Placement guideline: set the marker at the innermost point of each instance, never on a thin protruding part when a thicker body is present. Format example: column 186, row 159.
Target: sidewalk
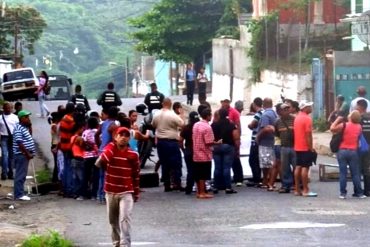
column 321, row 142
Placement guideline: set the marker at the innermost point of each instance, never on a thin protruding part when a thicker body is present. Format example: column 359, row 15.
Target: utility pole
column 126, row 77
column 16, row 32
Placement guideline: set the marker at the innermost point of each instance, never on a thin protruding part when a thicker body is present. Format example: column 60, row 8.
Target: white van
column 19, row 84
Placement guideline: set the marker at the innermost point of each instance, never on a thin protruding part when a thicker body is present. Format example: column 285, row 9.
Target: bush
column 321, row 124
column 52, row 239
column 43, row 176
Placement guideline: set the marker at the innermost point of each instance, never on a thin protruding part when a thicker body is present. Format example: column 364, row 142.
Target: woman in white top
column 43, row 81
column 202, row 85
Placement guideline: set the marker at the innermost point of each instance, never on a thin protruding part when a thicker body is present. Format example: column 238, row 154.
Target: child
column 91, row 172
column 121, row 184
column 78, row 163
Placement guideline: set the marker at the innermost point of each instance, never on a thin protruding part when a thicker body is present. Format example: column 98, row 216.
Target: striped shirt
column 256, row 117
column 66, row 131
column 122, row 170
column 22, row 135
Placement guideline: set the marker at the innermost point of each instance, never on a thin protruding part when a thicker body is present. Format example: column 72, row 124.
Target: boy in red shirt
column 121, row 184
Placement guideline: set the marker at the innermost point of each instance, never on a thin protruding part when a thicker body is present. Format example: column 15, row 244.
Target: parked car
column 60, row 87
column 19, row 84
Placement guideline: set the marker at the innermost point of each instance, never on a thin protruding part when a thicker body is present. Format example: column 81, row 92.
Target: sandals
column 310, row 194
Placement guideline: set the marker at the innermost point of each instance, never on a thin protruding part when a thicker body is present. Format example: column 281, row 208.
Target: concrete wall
column 273, row 84
column 221, row 49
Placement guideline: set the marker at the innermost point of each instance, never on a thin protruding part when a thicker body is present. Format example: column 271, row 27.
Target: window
column 359, row 6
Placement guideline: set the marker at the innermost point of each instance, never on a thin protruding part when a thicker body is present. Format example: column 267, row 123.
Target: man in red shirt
column 121, row 184
column 304, row 148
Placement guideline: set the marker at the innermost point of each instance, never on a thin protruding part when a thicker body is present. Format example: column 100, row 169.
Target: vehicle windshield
column 18, row 75
column 59, row 90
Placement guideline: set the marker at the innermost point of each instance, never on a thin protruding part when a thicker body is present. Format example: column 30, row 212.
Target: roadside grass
column 50, row 239
column 43, row 176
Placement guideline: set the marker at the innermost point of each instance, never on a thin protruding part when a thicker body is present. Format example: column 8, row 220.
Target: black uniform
column 154, row 100
column 80, row 99
column 108, row 99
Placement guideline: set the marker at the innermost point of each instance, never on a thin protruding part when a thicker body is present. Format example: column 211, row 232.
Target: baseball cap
column 23, row 113
column 123, row 130
column 305, row 103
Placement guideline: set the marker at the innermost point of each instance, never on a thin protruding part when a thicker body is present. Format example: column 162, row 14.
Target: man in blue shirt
column 265, row 140
column 24, row 150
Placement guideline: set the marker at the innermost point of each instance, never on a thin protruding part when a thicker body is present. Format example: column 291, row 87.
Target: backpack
column 46, row 88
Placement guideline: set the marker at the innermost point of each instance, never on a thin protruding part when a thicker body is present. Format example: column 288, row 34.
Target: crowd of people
column 96, row 155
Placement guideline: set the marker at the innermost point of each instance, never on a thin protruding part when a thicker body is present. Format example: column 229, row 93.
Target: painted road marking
column 132, row 243
column 289, row 225
column 321, row 211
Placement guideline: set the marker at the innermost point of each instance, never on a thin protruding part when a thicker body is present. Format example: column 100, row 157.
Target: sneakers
column 230, row 191
column 239, row 184
column 359, row 196
column 80, row 198
column 342, row 197
column 24, row 198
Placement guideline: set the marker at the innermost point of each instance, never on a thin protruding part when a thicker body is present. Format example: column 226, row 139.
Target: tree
column 20, row 24
column 229, row 24
column 178, row 30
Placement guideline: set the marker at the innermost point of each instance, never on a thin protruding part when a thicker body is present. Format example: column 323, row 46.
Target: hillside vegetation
column 83, row 36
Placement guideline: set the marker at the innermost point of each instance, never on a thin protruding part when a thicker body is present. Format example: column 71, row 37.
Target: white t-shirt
column 11, row 120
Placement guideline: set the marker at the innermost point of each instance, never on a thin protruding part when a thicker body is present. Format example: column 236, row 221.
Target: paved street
column 253, row 217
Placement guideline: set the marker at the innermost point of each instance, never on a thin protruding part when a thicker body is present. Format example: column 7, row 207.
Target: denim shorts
column 277, row 151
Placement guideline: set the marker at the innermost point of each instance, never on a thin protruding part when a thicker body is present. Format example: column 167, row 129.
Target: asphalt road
column 253, row 217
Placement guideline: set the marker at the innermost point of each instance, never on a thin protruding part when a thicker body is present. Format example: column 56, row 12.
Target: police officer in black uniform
column 154, row 99
column 80, row 99
column 109, row 98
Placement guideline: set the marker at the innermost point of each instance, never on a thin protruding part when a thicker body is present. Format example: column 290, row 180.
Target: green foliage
column 96, row 29
column 321, row 124
column 43, row 176
column 24, row 22
column 52, row 239
column 229, row 24
column 256, row 51
column 178, row 30
column 306, row 56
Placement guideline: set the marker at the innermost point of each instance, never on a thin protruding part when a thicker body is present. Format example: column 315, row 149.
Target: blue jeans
column 43, row 108
column 288, row 161
column 349, row 157
column 21, row 169
column 254, row 162
column 67, row 179
column 101, row 193
column 78, row 176
column 188, row 155
column 6, row 157
column 170, row 156
column 223, row 155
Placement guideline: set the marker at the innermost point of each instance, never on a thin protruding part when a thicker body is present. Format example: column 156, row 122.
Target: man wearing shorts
column 304, row 148
column 265, row 139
